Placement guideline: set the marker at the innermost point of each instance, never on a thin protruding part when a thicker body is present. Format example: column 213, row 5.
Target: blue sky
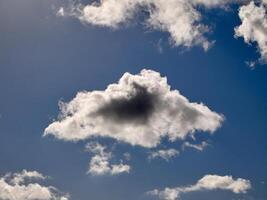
column 45, row 58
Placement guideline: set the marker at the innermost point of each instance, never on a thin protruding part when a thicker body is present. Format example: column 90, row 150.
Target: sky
column 134, row 100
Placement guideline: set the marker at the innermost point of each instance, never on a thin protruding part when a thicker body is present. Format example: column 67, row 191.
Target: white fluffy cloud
column 208, row 182
column 254, row 26
column 24, row 186
column 164, row 154
column 180, row 18
column 140, row 110
column 110, row 13
column 100, row 162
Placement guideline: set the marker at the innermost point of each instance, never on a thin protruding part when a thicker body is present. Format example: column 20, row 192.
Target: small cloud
column 251, row 64
column 164, row 154
column 61, row 12
column 207, row 183
column 127, row 156
column 199, row 147
column 253, row 28
column 100, row 162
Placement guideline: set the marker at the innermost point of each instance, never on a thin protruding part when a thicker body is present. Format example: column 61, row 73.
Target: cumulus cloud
column 21, row 177
column 199, row 147
column 254, row 26
column 164, row 154
column 25, row 186
column 140, row 110
column 208, row 182
column 180, row 18
column 100, row 162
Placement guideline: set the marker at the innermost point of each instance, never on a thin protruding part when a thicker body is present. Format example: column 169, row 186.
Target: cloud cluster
column 180, row 18
column 208, row 182
column 164, row 154
column 25, row 186
column 100, row 162
column 254, row 26
column 140, row 110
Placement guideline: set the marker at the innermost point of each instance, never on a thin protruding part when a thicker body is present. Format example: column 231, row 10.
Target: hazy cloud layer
column 25, row 186
column 140, row 110
column 208, row 182
column 254, row 26
column 100, row 162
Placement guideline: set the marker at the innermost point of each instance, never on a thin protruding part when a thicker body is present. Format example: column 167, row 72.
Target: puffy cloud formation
column 199, row 147
column 100, row 162
column 208, row 182
column 164, row 154
column 180, row 18
column 254, row 26
column 110, row 13
column 23, row 186
column 18, row 178
column 140, row 110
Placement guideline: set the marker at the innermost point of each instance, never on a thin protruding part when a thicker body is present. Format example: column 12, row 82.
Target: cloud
column 110, row 13
column 100, row 162
column 127, row 156
column 140, row 110
column 199, row 147
column 208, row 182
column 180, row 18
column 164, row 154
column 254, row 27
column 21, row 177
column 24, row 186
column 217, row 3
column 61, row 12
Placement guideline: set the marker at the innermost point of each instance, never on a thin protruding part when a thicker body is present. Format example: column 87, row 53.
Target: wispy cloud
column 165, row 154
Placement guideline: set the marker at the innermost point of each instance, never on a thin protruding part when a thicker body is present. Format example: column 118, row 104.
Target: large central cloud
column 140, row 110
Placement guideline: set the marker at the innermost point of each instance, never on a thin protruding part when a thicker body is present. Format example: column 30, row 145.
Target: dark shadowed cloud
column 140, row 109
